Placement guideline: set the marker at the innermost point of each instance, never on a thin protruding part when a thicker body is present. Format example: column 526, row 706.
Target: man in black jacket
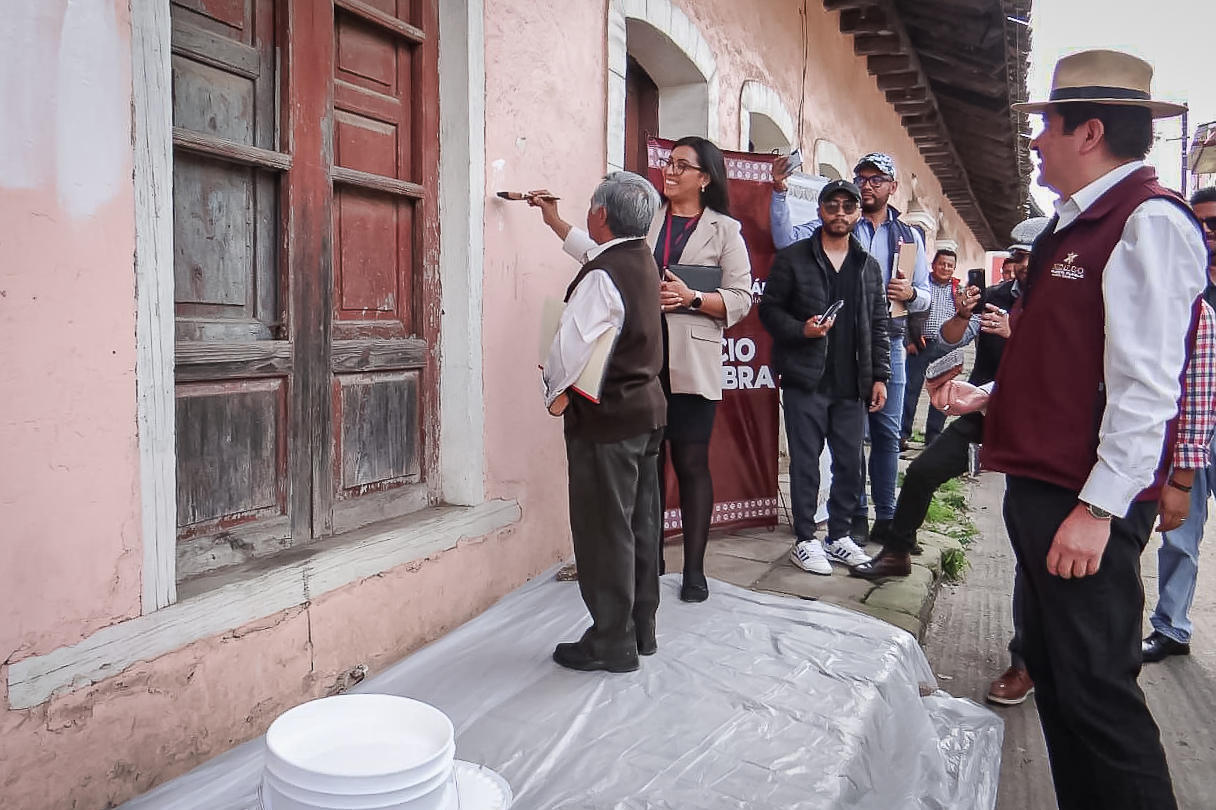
column 832, row 369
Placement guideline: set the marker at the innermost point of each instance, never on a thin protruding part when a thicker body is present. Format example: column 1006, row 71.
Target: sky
column 1177, row 36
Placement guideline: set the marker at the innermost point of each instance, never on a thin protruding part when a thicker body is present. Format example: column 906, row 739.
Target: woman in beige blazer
column 694, row 227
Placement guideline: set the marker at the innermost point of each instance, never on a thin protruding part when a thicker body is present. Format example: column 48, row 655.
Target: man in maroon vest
column 1078, row 422
column 612, row 441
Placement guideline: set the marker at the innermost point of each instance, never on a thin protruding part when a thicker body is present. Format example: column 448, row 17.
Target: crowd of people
column 1093, row 390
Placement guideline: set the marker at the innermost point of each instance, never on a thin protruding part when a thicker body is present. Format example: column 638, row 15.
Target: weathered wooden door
column 305, row 238
column 384, row 175
column 641, row 115
column 233, row 354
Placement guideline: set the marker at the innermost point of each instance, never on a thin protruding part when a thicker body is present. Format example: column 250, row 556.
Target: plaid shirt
column 942, row 306
column 1198, row 409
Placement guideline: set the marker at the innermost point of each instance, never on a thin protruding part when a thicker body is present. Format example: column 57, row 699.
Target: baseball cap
column 879, row 160
column 837, row 186
column 1026, row 231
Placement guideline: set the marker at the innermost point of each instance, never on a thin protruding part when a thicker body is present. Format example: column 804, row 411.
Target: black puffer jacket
column 797, row 290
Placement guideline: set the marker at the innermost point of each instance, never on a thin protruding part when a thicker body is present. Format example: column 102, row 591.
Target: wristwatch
column 1097, row 512
column 696, row 302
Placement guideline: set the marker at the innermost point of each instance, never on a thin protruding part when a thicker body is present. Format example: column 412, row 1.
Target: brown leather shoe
column 886, row 564
column 1013, row 687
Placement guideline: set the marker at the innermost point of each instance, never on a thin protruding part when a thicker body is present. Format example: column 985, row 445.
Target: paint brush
column 515, row 195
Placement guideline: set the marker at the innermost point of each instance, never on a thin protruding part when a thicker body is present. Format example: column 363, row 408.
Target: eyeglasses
column 1019, row 255
column 678, row 167
column 872, row 180
column 1209, row 223
column 836, row 206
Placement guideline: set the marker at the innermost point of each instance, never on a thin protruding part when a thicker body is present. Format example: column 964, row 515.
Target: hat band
column 1097, row 91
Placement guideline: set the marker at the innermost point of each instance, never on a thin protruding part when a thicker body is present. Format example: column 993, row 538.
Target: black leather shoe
column 1158, row 647
column 886, row 564
column 694, row 589
column 859, row 530
column 575, row 656
column 647, row 643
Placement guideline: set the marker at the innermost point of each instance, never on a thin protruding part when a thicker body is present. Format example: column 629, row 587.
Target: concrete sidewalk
column 759, row 559
column 966, row 644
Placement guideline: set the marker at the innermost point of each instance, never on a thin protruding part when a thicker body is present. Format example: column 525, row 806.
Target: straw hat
column 1104, row 77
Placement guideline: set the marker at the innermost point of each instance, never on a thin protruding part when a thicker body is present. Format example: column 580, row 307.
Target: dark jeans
column 946, row 458
column 810, row 420
column 1081, row 641
column 616, row 526
column 917, row 363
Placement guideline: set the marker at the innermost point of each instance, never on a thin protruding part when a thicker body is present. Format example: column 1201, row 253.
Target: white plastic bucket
column 359, row 745
column 280, row 797
column 423, row 796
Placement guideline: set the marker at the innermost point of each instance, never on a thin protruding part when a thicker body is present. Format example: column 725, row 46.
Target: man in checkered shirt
column 924, row 345
column 1183, row 511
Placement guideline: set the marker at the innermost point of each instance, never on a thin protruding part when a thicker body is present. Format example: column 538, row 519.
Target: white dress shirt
column 1148, row 288
column 595, row 306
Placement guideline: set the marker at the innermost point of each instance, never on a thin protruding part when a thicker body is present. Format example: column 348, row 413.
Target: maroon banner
column 744, row 448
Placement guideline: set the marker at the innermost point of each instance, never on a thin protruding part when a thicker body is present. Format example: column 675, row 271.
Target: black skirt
column 690, row 418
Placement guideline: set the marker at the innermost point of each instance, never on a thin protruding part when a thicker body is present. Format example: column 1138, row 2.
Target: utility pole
column 1186, row 142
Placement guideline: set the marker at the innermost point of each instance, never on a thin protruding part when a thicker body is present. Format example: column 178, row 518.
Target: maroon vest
column 1045, row 414
column 631, row 401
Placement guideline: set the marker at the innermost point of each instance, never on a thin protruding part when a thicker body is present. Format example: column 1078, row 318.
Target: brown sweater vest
column 1046, row 411
column 631, row 402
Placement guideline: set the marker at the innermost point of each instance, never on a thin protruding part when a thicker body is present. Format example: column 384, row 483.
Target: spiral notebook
column 591, row 382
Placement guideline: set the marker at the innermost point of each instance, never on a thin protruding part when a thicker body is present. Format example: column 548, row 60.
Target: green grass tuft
column 954, row 565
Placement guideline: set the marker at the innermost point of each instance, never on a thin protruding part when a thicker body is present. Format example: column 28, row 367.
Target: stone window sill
column 210, row 605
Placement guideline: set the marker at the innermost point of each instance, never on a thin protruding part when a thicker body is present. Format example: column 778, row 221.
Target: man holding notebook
column 612, row 440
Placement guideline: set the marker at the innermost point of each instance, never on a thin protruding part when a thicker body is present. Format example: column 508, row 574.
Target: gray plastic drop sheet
column 753, row 701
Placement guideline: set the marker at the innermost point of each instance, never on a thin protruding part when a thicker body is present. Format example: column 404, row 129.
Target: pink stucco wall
column 69, row 497
column 69, row 484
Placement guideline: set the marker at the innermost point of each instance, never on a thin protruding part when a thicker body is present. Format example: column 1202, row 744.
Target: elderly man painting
column 612, row 446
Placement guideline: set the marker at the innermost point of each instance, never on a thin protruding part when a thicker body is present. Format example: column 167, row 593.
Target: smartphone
column 975, row 278
column 794, row 162
column 832, row 310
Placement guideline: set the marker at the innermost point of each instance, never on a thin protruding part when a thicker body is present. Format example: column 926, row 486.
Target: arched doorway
column 662, row 80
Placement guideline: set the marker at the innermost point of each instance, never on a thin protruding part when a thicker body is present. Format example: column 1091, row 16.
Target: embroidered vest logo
column 1068, row 268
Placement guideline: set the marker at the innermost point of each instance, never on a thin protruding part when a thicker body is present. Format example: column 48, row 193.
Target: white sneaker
column 845, row 551
column 808, row 555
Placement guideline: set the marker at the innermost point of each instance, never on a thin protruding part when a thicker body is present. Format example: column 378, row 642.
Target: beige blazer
column 695, row 348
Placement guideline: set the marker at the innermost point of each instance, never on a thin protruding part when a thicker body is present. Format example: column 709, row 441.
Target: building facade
column 269, row 411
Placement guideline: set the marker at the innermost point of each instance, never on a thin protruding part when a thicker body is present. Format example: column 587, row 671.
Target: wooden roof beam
column 878, row 44
column 908, row 94
column 900, row 81
column 845, row 5
column 888, row 64
column 865, row 21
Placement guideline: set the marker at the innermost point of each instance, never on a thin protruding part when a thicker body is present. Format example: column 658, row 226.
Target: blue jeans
column 884, row 439
column 1178, row 562
column 916, row 365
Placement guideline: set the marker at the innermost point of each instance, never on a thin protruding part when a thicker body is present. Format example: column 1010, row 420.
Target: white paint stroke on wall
column 27, row 87
column 93, row 111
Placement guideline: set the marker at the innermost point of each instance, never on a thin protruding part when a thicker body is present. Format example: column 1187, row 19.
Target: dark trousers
column 917, row 363
column 1081, row 641
column 940, row 461
column 616, row 525
column 810, row 420
column 944, row 459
